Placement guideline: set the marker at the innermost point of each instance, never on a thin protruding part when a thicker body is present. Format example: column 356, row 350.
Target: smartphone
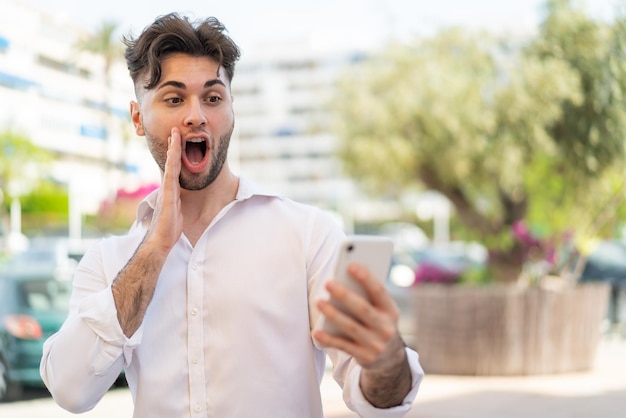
column 371, row 251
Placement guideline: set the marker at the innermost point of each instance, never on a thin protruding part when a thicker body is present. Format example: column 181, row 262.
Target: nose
column 195, row 113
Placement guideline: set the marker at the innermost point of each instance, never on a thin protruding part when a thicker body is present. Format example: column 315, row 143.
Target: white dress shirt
column 228, row 331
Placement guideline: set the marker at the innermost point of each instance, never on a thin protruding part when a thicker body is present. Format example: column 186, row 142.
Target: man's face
column 194, row 97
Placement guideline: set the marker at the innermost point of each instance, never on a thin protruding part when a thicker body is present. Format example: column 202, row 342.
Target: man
column 210, row 301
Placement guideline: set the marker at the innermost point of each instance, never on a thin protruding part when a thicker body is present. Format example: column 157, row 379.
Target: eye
column 173, row 100
column 214, row 99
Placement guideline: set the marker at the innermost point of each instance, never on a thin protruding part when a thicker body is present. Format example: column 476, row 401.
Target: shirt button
column 198, row 408
column 193, row 267
column 195, row 360
column 194, row 311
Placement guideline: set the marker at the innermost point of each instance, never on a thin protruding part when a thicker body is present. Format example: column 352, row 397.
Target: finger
column 366, row 310
column 365, row 323
column 367, row 330
column 327, row 339
column 374, row 287
column 340, row 319
column 357, row 306
column 173, row 162
column 355, row 303
column 380, row 316
column 364, row 354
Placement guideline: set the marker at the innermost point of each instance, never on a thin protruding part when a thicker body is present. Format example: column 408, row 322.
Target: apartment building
column 284, row 124
column 56, row 95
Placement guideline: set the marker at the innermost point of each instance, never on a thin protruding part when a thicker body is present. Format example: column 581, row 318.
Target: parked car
column 607, row 262
column 437, row 263
column 34, row 302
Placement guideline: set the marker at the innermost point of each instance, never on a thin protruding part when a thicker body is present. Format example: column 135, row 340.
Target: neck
column 201, row 206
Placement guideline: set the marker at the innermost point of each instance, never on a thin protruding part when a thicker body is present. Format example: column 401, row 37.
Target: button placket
column 195, row 337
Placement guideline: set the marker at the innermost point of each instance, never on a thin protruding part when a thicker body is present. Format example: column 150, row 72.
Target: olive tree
column 509, row 130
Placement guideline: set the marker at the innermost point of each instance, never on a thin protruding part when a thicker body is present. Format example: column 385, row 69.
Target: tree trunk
column 506, row 266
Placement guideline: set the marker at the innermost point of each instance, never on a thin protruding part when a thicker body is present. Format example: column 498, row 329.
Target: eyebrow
column 181, row 85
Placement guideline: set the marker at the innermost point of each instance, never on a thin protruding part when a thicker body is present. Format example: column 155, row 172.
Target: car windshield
column 45, row 295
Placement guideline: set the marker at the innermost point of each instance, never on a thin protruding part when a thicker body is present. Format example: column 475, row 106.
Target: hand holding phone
column 371, row 251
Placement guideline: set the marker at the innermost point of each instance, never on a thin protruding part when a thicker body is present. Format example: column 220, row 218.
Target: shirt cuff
column 352, row 391
column 100, row 314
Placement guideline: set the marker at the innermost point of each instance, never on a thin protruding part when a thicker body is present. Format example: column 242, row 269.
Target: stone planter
column 507, row 329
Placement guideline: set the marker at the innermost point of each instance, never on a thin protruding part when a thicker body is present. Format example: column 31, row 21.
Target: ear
column 135, row 117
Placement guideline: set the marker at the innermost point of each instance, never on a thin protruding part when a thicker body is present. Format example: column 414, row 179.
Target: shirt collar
column 247, row 189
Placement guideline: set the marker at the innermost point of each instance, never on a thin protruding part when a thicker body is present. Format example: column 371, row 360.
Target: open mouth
column 195, row 150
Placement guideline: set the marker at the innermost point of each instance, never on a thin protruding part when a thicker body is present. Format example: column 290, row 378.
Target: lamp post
column 432, row 205
column 16, row 241
column 75, row 213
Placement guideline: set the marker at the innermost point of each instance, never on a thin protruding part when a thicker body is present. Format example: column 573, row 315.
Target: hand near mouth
column 167, row 222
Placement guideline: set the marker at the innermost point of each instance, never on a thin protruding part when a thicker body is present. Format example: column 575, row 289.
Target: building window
column 93, row 131
column 15, row 82
column 4, row 44
column 61, row 66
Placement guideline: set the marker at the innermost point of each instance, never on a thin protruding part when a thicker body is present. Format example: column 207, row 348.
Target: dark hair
column 172, row 33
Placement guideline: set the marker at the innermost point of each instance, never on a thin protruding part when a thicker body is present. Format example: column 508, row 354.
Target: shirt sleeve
column 83, row 359
column 353, row 396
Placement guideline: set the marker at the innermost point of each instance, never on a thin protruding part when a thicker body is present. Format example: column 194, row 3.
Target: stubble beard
column 219, row 154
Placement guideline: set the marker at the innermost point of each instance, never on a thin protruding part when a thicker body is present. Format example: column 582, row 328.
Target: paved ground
column 599, row 393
